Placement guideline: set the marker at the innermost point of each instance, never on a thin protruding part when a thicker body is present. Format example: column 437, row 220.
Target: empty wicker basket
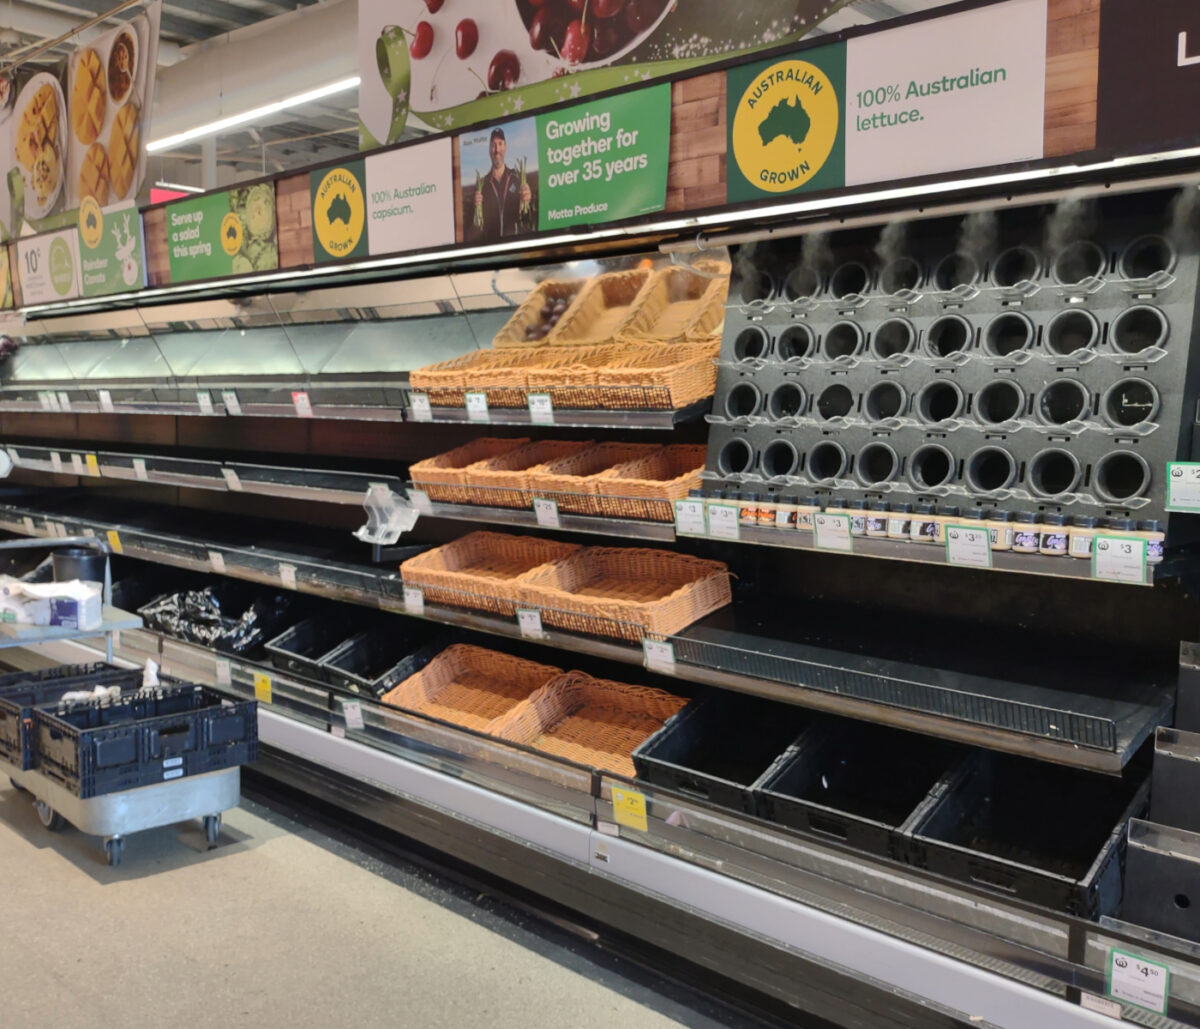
column 569, row 481
column 570, row 374
column 470, row 686
column 660, row 377
column 626, row 592
column 503, row 481
column 444, row 477
column 676, row 305
column 601, row 309
column 489, row 371
column 648, row 488
column 480, row 570
column 530, row 313
column 594, row 722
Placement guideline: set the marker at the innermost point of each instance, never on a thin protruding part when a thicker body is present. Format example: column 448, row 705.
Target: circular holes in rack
column 904, row 273
column 930, row 466
column 842, row 339
column 953, row 270
column 850, row 279
column 876, row 463
column 779, row 459
column 1129, row 402
column 1016, row 264
column 736, row 457
column 1064, row 400
column 999, row 401
column 802, row 284
column 1053, row 472
column 990, row 469
column 787, row 400
column 1121, row 476
column 743, row 400
column 751, row 344
column 948, row 335
column 892, row 337
column 1007, row 334
column 1077, row 261
column 939, row 401
column 1146, row 256
column 1071, row 331
column 826, row 460
column 757, row 286
column 1139, row 328
column 835, row 401
column 795, row 341
column 884, row 400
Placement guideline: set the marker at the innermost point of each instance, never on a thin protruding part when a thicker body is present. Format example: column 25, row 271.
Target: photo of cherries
column 587, row 30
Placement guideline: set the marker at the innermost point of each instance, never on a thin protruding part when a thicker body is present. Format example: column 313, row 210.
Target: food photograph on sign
column 500, row 181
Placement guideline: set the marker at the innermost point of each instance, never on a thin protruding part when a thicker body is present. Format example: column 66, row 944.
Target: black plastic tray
column 370, row 663
column 1047, row 834
column 716, row 749
column 302, row 648
column 855, row 782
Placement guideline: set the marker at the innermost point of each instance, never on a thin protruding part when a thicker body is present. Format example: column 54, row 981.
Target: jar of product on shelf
column 747, row 501
column 877, row 518
column 945, row 515
column 1151, row 530
column 1052, row 533
column 1000, row 529
column 1082, row 536
column 809, row 506
column 923, row 527
column 856, row 509
column 787, row 508
column 1027, row 539
column 1118, row 527
column 898, row 521
column 766, row 510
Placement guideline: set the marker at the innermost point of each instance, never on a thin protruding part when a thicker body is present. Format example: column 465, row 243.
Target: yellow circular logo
column 91, row 222
column 231, row 233
column 785, row 126
column 339, row 212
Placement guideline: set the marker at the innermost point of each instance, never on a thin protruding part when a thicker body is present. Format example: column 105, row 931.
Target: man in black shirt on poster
column 507, row 203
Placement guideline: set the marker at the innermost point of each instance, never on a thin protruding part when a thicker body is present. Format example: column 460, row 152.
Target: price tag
column 229, row 398
column 56, row 460
column 287, row 576
column 64, row 401
column 47, row 401
column 629, row 809
column 217, row 560
column 1119, row 559
column 659, row 656
column 302, row 404
column 139, row 469
column 337, row 731
column 420, row 500
column 262, row 687
column 93, row 464
column 114, row 541
column 106, row 401
column 530, row 623
column 204, row 400
column 29, row 527
column 689, row 518
column 77, row 464
column 541, row 410
column 1100, row 1005
column 232, row 480
column 546, row 513
column 414, row 600
column 832, row 532
column 1133, row 979
column 1183, row 486
column 419, row 408
column 58, row 529
column 968, row 545
column 723, row 521
column 477, row 409
column 352, row 712
column 224, row 672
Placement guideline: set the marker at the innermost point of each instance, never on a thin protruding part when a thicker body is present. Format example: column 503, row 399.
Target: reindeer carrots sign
column 110, row 248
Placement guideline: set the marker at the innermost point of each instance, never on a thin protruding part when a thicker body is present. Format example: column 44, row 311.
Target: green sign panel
column 339, row 211
column 787, row 125
column 604, row 160
column 111, row 256
column 223, row 234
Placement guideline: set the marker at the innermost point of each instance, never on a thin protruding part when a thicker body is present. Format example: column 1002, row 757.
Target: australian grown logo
column 339, row 212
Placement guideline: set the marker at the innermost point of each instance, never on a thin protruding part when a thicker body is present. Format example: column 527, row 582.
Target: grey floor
column 280, row 925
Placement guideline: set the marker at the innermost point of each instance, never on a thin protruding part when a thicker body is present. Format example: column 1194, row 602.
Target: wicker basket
column 648, row 488
column 660, row 377
column 710, row 319
column 502, row 481
column 570, row 374
column 470, row 686
column 530, row 313
column 593, row 722
column 444, row 477
column 670, row 306
column 569, row 481
column 480, row 570
column 601, row 309
column 448, row 382
column 626, row 592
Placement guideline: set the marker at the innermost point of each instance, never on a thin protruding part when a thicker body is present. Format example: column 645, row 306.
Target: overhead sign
column 221, row 234
column 339, row 212
column 410, row 198
column 111, row 251
column 48, row 267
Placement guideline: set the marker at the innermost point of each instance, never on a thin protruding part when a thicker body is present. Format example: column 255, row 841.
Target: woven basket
column 444, row 477
column 668, row 306
column 570, row 374
column 448, row 382
column 601, row 309
column 502, row 481
column 480, row 570
column 626, row 592
column 648, row 488
column 569, row 481
column 470, row 686
column 594, row 722
column 530, row 313
column 660, row 377
column 710, row 318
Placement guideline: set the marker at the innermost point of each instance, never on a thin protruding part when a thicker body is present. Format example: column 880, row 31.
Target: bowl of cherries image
column 588, row 31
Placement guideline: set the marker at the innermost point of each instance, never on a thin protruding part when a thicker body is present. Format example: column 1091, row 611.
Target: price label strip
column 689, row 518
column 114, row 541
column 262, row 687
column 419, row 408
column 1119, row 559
column 92, row 462
column 64, row 401
column 287, row 576
column 106, row 401
column 968, row 545
column 139, row 469
column 217, row 560
column 723, row 522
column 629, row 809
column 832, row 532
column 352, row 712
column 232, row 480
column 1183, row 486
column 659, row 656
column 224, row 672
column 229, row 398
column 546, row 513
column 414, row 600
column 541, row 410
column 302, row 403
column 529, row 621
column 204, row 401
column 477, row 408
column 1146, row 984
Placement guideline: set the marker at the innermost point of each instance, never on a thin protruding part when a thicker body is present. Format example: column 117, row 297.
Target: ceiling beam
column 171, row 24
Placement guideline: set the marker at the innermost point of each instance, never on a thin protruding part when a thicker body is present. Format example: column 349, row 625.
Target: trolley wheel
column 17, row 786
column 50, row 818
column 212, row 829
column 113, row 848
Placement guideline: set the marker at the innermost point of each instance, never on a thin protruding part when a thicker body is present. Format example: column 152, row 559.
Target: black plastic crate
column 21, row 692
column 97, row 748
column 1047, row 834
column 302, row 648
column 716, row 749
column 855, row 782
column 371, row 663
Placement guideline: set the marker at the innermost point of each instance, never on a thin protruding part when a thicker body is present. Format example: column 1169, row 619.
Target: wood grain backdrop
column 1072, row 75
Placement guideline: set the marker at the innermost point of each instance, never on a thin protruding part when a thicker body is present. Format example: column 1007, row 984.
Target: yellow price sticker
column 114, row 541
column 93, row 464
column 262, row 687
column 629, row 809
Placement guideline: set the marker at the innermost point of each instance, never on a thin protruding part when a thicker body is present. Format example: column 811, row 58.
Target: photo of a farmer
column 503, row 201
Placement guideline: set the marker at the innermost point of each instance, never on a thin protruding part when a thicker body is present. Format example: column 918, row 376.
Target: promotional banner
column 442, row 66
column 6, row 288
column 339, row 211
column 78, row 128
column 48, row 267
column 410, row 198
column 111, row 250
column 221, row 234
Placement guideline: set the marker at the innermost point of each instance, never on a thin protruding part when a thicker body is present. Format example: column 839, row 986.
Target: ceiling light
column 179, row 187
column 254, row 114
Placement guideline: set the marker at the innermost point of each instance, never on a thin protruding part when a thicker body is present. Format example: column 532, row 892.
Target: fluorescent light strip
column 699, row 221
column 179, row 187
column 213, row 127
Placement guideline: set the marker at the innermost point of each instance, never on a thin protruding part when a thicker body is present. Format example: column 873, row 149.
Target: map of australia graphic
column 788, row 119
column 339, row 210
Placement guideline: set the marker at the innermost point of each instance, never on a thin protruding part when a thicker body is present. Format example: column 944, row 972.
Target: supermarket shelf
column 112, row 620
column 565, row 417
column 626, row 528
